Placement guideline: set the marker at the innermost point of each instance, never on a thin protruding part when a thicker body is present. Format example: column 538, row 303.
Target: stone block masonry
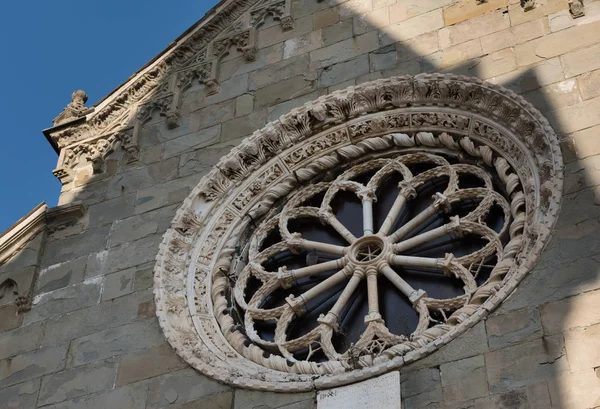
column 91, row 339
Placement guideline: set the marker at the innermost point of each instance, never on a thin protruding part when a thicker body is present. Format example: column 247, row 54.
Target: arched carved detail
column 205, row 252
column 10, row 293
column 9, row 290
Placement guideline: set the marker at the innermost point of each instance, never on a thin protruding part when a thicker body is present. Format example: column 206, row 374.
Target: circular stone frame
column 199, row 254
column 368, row 243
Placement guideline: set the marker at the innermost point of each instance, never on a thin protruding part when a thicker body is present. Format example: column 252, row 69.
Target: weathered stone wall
column 92, row 340
column 17, row 273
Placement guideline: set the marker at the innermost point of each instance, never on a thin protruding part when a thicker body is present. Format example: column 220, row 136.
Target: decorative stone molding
column 279, row 10
column 22, row 232
column 159, row 87
column 62, row 217
column 16, row 284
column 92, row 151
column 576, row 8
column 215, row 244
column 528, row 5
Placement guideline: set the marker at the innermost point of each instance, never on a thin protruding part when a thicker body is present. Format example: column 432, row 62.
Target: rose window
column 353, row 268
column 358, row 233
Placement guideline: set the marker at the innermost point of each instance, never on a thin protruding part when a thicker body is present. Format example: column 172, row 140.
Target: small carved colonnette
column 480, row 120
column 160, row 88
column 41, row 220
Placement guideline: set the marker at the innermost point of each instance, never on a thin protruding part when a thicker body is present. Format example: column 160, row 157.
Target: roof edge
column 22, row 231
column 209, row 14
column 91, row 134
column 181, row 39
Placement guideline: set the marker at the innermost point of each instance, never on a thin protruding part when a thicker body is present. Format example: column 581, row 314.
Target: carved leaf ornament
column 358, row 233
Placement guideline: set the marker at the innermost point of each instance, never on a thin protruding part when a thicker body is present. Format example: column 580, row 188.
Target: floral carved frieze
column 203, row 73
column 279, row 10
column 255, row 278
column 94, row 152
column 242, row 41
column 196, row 57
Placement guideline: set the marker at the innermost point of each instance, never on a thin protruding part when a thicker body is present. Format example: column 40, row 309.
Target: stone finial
column 78, row 99
column 74, row 109
column 576, row 8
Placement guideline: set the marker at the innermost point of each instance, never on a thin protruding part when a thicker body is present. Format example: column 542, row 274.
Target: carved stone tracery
column 456, row 125
column 370, row 258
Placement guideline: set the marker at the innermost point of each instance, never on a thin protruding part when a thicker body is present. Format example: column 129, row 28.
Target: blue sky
column 51, row 48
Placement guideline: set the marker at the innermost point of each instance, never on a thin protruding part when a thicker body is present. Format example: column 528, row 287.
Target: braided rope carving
column 212, row 277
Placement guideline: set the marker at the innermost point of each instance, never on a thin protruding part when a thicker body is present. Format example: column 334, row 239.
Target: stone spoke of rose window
column 367, row 213
column 440, row 203
column 297, row 303
column 405, row 193
column 297, row 243
column 405, row 288
column 450, row 228
column 373, row 296
column 329, row 218
column 315, row 268
column 333, row 315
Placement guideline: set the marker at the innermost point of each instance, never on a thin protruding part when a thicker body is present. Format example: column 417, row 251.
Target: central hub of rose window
column 368, row 250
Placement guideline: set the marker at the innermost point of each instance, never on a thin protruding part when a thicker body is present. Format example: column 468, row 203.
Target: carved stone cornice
column 37, row 220
column 195, row 56
column 61, row 217
column 22, row 232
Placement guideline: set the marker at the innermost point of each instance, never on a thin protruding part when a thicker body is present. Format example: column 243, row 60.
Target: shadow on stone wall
column 538, row 347
column 519, row 353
